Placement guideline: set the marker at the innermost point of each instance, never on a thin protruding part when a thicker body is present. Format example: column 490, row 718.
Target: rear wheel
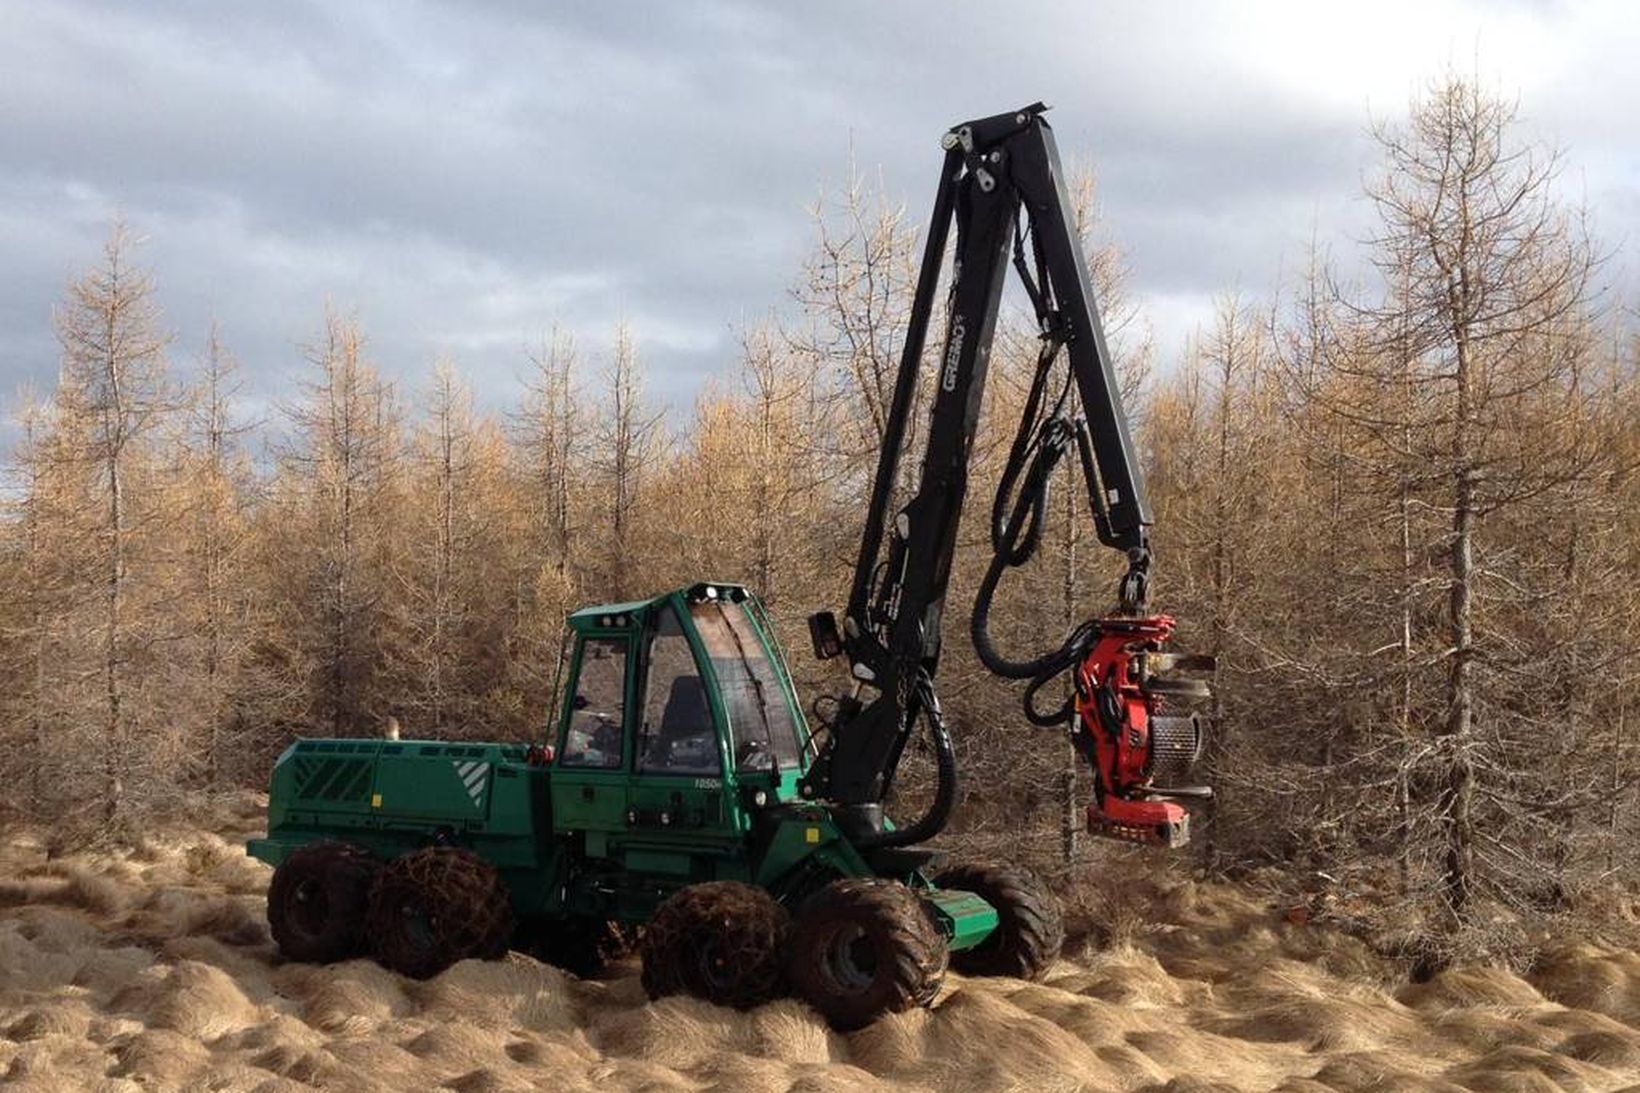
column 723, row 941
column 1030, row 931
column 863, row 947
column 317, row 901
column 435, row 906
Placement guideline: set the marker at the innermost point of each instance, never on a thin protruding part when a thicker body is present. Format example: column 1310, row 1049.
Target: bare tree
column 30, row 622
column 628, row 433
column 113, row 382
column 343, row 463
column 217, row 496
column 855, row 294
column 548, row 431
column 1458, row 392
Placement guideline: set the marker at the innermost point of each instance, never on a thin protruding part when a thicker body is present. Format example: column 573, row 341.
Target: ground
column 152, row 968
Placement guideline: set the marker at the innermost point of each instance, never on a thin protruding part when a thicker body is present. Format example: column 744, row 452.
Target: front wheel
column 317, row 901
column 864, row 947
column 435, row 906
column 722, row 941
column 1030, row 931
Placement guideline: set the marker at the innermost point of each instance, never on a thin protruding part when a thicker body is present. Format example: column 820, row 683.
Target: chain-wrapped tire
column 723, row 941
column 317, row 901
column 1030, row 930
column 863, row 947
column 435, row 906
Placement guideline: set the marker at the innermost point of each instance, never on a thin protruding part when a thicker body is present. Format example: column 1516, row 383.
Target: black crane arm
column 1003, row 187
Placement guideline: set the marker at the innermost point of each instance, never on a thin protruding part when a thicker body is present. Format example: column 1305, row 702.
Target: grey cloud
column 465, row 174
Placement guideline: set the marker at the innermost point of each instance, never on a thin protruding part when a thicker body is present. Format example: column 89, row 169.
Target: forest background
column 1400, row 508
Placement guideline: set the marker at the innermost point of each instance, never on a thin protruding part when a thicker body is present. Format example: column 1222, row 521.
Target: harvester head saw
column 1138, row 724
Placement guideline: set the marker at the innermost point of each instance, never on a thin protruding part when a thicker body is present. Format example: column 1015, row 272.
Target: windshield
column 762, row 729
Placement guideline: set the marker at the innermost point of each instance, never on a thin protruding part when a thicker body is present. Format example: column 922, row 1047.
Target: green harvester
column 684, row 803
column 679, row 752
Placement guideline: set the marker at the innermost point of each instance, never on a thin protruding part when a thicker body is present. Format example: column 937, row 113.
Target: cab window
column 678, row 736
column 762, row 730
column 598, row 707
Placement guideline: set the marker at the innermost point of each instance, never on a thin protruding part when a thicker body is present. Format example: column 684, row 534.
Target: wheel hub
column 851, row 958
column 310, row 906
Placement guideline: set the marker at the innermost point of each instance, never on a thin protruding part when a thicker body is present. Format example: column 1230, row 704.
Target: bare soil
column 152, row 968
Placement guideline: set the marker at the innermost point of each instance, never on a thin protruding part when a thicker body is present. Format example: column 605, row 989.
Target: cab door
column 590, row 770
column 678, row 794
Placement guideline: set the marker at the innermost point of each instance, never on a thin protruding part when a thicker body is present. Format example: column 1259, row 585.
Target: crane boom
column 1002, row 186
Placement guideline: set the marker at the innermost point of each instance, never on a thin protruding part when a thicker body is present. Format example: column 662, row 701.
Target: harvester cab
column 677, row 723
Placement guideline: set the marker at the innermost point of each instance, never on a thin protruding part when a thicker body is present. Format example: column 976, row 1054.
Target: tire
column 864, row 947
column 317, row 901
column 435, row 906
column 723, row 941
column 1030, row 930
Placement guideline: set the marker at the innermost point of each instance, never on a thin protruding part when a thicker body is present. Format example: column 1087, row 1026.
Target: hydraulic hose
column 1018, row 515
column 932, row 822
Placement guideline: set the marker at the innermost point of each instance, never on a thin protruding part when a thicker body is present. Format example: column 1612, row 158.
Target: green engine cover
column 391, row 796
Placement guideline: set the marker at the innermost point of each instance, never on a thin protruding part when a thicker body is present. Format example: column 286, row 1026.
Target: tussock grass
column 151, row 967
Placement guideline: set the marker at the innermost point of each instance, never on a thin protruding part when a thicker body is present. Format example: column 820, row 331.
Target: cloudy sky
column 464, row 174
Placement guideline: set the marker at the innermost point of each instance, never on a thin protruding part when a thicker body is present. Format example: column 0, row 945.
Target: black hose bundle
column 1018, row 514
column 932, row 822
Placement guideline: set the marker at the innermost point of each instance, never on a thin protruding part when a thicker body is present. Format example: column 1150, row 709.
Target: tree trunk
column 1458, row 781
column 114, row 760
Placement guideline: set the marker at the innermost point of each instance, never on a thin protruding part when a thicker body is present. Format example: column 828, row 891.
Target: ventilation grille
column 332, row 779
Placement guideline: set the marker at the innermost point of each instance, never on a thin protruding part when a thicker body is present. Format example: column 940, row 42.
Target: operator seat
column 685, row 715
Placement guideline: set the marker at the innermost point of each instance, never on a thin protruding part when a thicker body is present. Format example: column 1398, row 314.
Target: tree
column 548, row 432
column 628, row 435
column 337, row 534
column 113, row 386
column 31, row 625
column 855, row 294
column 216, row 494
column 456, row 602
column 1466, row 385
column 549, row 437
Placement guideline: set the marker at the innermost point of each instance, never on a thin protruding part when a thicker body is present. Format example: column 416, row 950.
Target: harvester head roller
column 1175, row 747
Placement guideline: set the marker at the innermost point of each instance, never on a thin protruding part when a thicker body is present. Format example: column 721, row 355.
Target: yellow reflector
column 375, row 800
column 812, row 835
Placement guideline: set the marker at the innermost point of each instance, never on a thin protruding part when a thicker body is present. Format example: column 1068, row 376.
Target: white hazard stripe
column 472, row 775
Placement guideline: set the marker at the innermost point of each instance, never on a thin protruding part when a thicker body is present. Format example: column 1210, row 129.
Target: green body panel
column 966, row 918
column 602, row 841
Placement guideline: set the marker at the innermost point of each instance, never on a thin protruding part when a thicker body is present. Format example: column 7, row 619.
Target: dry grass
column 152, row 968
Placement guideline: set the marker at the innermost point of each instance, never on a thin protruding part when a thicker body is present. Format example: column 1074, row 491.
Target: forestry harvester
column 683, row 792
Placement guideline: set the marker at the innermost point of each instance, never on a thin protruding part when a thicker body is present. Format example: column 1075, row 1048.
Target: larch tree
column 442, row 539
column 549, row 434
column 628, row 436
column 215, row 482
column 458, row 602
column 855, row 296
column 114, row 387
column 548, row 431
column 31, row 617
column 1484, row 318
column 342, row 468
